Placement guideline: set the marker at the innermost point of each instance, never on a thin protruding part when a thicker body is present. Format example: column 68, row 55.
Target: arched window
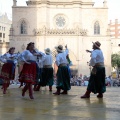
column 23, row 27
column 96, row 28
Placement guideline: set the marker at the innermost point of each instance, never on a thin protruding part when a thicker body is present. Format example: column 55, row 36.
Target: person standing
column 8, row 69
column 29, row 71
column 40, row 71
column 63, row 77
column 47, row 72
column 97, row 77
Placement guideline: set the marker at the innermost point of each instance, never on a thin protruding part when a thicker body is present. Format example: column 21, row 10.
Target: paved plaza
column 46, row 106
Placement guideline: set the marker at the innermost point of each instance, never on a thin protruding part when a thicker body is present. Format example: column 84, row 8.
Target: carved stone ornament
column 48, row 31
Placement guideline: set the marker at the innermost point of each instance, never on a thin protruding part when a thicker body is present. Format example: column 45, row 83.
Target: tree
column 115, row 60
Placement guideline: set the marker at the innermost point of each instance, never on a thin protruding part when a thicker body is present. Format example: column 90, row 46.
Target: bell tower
column 105, row 3
column 14, row 2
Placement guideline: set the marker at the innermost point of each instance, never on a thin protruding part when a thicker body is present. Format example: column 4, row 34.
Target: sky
column 113, row 5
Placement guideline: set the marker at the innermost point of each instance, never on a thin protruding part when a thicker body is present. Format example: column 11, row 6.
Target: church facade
column 76, row 23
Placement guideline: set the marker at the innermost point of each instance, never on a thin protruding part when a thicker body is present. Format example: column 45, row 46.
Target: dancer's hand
column 88, row 51
column 66, row 46
column 36, row 54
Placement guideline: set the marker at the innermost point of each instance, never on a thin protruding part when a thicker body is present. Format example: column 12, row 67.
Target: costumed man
column 63, row 77
column 97, row 77
column 30, row 68
column 8, row 69
column 47, row 72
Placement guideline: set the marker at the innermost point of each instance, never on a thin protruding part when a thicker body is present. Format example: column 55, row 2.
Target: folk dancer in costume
column 8, row 69
column 63, row 77
column 29, row 71
column 97, row 77
column 40, row 71
column 47, row 73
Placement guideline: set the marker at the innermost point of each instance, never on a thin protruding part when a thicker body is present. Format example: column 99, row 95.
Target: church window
column 3, row 35
column 96, row 28
column 23, row 27
column 60, row 21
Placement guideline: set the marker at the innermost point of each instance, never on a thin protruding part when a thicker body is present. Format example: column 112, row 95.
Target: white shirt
column 8, row 56
column 96, row 57
column 61, row 58
column 47, row 60
column 27, row 55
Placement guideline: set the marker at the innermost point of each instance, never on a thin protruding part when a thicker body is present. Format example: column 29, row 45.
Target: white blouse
column 61, row 57
column 96, row 57
column 27, row 55
column 8, row 56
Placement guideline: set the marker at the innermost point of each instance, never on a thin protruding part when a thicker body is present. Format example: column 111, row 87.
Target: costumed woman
column 63, row 77
column 29, row 71
column 47, row 73
column 97, row 77
column 8, row 69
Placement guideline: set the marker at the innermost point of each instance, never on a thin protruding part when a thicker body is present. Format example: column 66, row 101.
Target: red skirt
column 7, row 72
column 28, row 73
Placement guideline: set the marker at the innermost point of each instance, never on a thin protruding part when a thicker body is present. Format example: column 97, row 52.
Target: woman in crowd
column 8, row 69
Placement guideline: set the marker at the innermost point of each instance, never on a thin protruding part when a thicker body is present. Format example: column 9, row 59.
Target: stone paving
column 47, row 106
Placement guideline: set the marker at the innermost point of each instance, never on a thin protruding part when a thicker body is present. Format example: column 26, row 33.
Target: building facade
column 5, row 25
column 76, row 23
column 115, row 29
column 115, row 35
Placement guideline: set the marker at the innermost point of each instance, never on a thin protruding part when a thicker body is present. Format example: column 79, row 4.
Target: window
column 96, row 28
column 4, row 28
column 60, row 21
column 3, row 35
column 0, row 27
column 23, row 27
column 0, row 34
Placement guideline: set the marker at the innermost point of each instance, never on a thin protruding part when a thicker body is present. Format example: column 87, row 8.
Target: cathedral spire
column 105, row 3
column 14, row 2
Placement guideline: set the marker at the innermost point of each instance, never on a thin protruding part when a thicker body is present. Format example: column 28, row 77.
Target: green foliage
column 115, row 60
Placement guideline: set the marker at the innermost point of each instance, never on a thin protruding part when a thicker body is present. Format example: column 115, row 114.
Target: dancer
column 63, row 77
column 8, row 69
column 97, row 77
column 40, row 71
column 29, row 71
column 47, row 73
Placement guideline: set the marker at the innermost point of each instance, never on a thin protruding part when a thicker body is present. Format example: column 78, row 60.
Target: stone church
column 76, row 23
